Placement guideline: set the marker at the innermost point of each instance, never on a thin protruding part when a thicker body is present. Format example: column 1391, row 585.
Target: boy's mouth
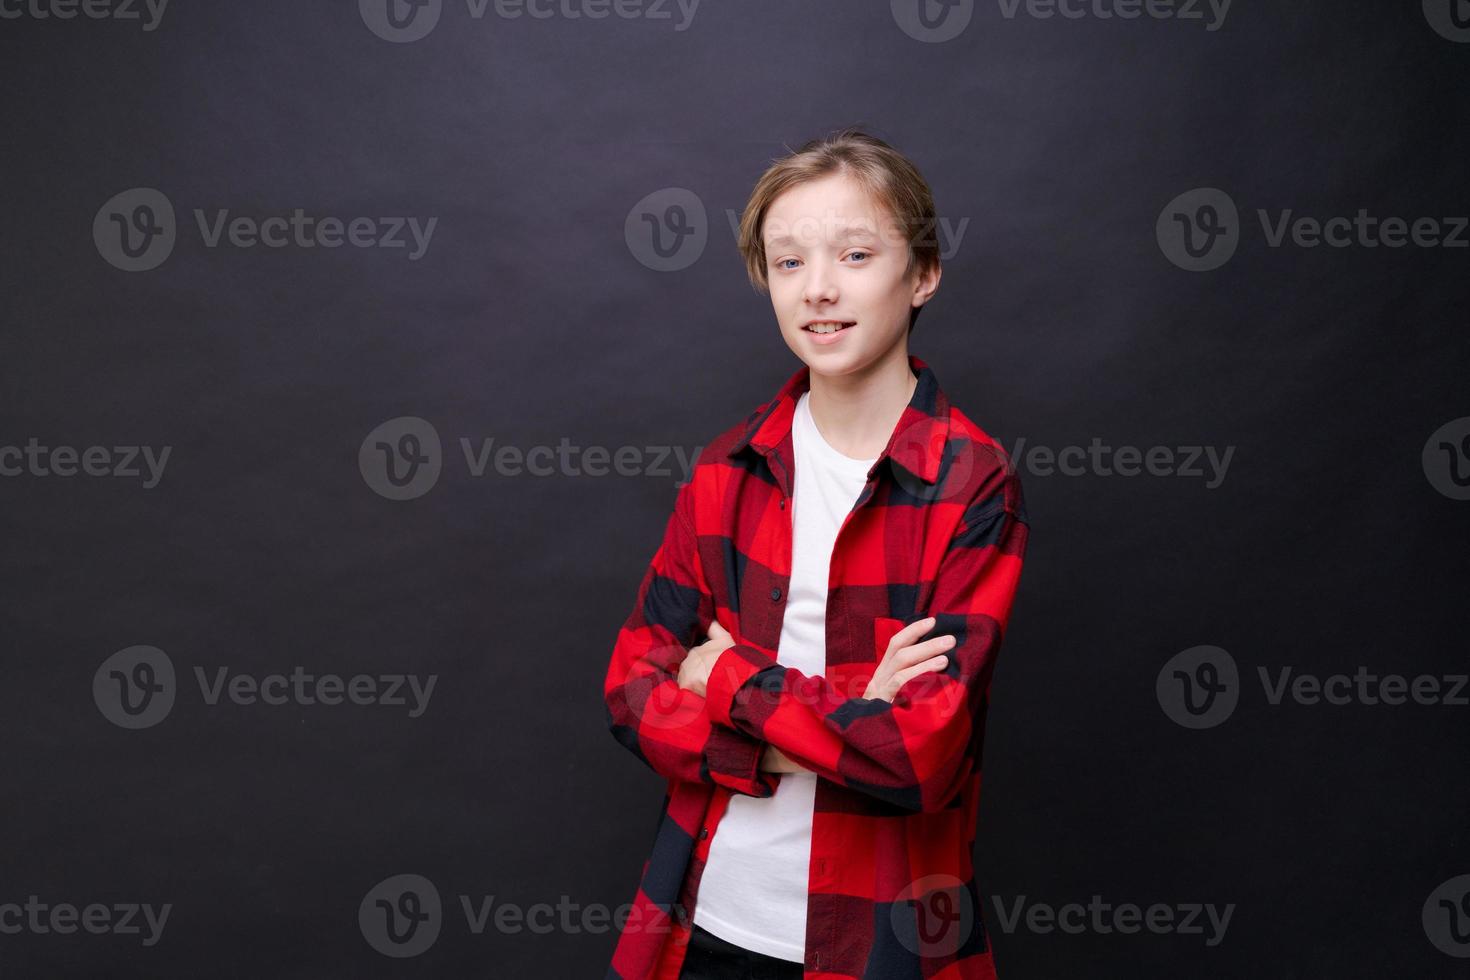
column 821, row 327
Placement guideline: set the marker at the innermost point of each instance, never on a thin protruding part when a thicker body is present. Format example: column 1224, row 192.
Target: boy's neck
column 856, row 413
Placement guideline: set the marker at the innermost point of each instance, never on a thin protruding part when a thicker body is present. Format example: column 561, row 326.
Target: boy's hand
column 695, row 668
column 906, row 659
column 694, row 674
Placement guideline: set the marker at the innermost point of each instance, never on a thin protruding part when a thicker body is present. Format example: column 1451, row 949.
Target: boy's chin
column 838, row 364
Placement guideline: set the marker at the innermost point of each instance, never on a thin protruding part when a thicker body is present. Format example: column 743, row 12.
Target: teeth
column 825, row 327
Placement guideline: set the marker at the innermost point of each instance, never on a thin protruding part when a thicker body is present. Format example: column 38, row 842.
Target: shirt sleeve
column 918, row 750
column 664, row 725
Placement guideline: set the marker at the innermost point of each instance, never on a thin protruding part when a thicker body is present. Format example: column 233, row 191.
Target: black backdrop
column 1069, row 155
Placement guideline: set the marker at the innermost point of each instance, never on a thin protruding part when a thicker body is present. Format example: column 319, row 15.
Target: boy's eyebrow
column 847, row 232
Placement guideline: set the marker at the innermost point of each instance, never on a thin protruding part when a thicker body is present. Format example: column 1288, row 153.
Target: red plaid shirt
column 939, row 529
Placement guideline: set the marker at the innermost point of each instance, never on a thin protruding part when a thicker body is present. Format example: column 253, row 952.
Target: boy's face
column 833, row 254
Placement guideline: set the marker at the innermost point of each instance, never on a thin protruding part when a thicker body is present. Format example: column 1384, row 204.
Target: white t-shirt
column 753, row 890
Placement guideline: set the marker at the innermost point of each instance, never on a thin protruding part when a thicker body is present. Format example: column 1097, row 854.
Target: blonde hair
column 888, row 176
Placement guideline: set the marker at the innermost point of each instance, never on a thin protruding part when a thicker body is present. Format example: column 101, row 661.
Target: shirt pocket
column 852, row 678
column 884, row 627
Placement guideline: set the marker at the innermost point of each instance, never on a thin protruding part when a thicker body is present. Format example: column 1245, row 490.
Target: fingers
column 716, row 631
column 906, row 636
column 923, row 651
column 903, row 676
column 911, row 632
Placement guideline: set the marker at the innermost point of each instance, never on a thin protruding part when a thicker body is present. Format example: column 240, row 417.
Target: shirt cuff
column 733, row 758
column 733, row 667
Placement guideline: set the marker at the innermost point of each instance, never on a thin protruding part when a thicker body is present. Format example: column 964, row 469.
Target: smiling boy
column 849, row 553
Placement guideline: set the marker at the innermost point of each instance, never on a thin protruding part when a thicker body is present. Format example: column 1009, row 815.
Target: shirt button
column 703, row 833
column 783, row 503
column 776, row 595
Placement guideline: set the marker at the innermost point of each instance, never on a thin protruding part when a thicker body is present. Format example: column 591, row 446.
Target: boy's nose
column 820, row 286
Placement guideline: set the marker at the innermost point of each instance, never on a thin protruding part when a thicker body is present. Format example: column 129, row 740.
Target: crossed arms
column 727, row 713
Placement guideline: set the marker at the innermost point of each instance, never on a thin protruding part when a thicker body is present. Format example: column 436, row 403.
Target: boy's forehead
column 815, row 213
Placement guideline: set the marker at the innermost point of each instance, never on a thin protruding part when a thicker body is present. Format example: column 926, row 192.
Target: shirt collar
column 916, row 444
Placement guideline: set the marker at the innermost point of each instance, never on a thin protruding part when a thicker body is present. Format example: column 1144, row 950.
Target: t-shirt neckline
column 821, row 446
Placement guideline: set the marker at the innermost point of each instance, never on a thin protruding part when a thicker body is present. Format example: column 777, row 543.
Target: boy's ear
column 927, row 284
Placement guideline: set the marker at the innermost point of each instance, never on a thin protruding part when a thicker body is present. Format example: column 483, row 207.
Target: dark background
column 531, row 319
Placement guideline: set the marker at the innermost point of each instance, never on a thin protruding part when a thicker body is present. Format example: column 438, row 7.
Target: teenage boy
column 849, row 554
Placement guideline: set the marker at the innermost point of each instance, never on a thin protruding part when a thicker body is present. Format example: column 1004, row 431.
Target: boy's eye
column 860, row 254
